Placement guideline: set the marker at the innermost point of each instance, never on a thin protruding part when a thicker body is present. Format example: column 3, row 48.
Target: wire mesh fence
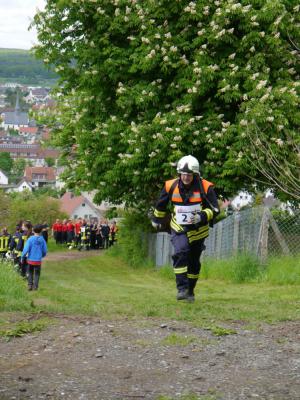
column 256, row 231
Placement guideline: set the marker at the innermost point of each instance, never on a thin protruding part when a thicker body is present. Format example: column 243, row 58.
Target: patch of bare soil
column 71, row 255
column 79, row 358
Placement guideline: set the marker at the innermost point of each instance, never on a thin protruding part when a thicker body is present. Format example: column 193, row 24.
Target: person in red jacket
column 70, row 233
column 55, row 231
column 77, row 229
column 64, row 232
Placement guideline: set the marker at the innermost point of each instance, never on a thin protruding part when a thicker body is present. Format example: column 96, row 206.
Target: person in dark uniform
column 195, row 206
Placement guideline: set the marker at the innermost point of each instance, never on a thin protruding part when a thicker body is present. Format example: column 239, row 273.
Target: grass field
column 105, row 286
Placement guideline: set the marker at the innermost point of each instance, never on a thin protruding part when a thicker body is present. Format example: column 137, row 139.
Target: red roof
column 69, row 202
column 31, row 172
column 28, row 129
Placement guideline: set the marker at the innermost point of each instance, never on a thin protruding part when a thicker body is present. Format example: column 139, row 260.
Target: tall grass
column 13, row 290
column 284, row 270
column 239, row 269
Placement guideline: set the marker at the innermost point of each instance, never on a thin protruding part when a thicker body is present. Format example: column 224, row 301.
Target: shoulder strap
column 174, row 184
column 204, row 195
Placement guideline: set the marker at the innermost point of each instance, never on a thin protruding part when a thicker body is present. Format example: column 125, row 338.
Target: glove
column 156, row 225
column 199, row 219
column 195, row 219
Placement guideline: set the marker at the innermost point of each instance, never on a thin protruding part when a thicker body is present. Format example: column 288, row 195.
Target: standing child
column 35, row 249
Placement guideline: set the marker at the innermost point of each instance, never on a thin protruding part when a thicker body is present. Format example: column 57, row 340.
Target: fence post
column 219, row 239
column 235, row 240
column 279, row 237
column 262, row 246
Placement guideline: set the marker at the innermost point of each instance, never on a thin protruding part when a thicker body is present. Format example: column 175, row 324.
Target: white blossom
column 279, row 142
column 261, row 84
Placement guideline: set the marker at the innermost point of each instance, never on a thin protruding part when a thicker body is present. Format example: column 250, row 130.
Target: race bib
column 184, row 214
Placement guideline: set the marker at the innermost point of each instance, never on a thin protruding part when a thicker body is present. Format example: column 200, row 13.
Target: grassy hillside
column 22, row 67
column 105, row 285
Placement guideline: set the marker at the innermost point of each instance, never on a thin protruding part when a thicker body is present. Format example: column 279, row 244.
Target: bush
column 132, row 243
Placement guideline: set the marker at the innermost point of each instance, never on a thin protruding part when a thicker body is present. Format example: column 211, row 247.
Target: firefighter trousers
column 186, row 261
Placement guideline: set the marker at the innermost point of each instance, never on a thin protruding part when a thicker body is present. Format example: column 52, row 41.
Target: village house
column 37, row 95
column 40, row 176
column 32, row 153
column 79, row 207
column 19, row 187
column 15, row 119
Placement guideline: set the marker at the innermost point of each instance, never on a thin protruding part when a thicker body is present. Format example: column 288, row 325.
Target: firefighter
column 194, row 205
column 13, row 245
column 84, row 236
column 5, row 239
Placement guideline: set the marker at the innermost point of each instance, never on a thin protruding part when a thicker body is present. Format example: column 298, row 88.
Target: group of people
column 83, row 234
column 26, row 247
column 194, row 207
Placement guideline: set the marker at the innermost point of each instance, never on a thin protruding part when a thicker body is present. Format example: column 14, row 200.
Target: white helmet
column 188, row 164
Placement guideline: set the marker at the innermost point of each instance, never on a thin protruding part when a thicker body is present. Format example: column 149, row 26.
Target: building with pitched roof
column 40, row 176
column 16, row 118
column 79, row 207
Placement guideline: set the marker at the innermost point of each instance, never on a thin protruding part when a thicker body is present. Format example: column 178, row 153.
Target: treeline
column 23, row 67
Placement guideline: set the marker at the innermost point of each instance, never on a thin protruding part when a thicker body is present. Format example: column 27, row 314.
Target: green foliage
column 50, row 161
column 220, row 331
column 143, row 83
column 21, row 66
column 178, row 340
column 13, row 290
column 132, row 239
column 28, row 206
column 6, row 162
column 243, row 268
column 23, row 328
column 17, row 170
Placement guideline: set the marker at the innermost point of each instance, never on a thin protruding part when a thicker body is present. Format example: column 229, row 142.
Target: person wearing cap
column 34, row 250
column 194, row 206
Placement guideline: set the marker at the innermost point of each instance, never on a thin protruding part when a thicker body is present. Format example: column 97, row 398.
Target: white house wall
column 3, row 179
column 86, row 212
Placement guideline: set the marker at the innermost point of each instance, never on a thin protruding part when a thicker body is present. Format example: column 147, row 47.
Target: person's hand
column 156, row 225
column 196, row 219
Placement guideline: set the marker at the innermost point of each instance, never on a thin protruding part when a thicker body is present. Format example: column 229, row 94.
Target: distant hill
column 22, row 67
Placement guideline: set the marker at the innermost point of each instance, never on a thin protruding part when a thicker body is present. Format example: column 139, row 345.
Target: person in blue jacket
column 35, row 250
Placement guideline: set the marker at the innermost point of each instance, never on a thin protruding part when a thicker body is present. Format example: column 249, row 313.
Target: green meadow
column 104, row 285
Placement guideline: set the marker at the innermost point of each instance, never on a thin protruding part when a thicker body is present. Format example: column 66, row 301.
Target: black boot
column 182, row 294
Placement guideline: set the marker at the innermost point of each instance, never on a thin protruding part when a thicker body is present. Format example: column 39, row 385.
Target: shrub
column 132, row 243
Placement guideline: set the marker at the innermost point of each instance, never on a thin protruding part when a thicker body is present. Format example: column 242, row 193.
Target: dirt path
column 71, row 255
column 80, row 358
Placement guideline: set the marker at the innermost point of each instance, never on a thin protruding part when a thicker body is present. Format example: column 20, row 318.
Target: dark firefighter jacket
column 178, row 194
column 4, row 243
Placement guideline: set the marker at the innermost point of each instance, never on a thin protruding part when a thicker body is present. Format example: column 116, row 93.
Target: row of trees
column 26, row 206
column 144, row 83
column 21, row 64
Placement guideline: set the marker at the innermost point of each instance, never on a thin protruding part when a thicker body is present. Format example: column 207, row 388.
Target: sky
column 15, row 17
